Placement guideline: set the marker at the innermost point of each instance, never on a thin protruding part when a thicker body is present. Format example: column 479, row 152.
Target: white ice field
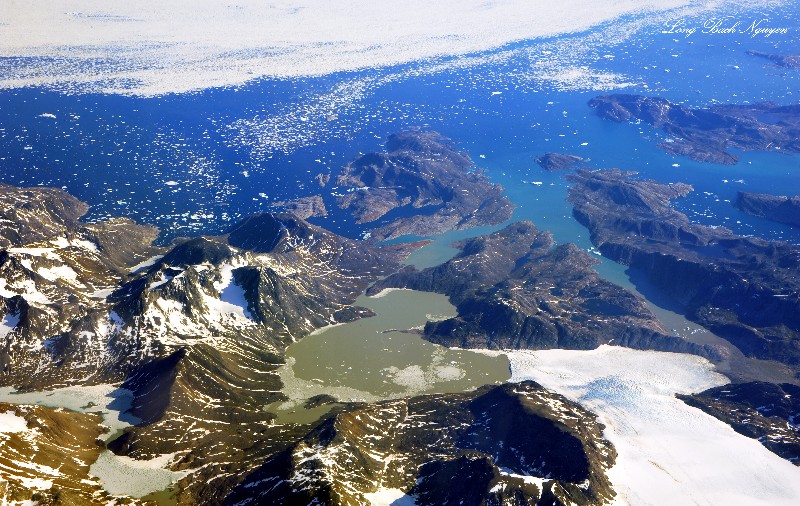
column 668, row 452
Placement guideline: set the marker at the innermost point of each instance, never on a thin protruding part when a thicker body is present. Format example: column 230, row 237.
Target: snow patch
column 8, row 324
column 35, row 483
column 389, row 497
column 60, row 242
column 232, row 298
column 34, row 252
column 10, row 422
column 539, row 482
column 84, row 244
column 64, row 272
column 146, row 263
column 26, row 288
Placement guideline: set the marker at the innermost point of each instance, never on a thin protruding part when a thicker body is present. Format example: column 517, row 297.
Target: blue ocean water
column 195, row 163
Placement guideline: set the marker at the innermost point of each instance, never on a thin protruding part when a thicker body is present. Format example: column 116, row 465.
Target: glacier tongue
column 668, row 452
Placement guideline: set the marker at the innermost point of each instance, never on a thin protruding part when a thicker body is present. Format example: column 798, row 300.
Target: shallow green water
column 373, row 359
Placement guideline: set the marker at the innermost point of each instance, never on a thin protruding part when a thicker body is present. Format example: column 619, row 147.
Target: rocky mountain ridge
column 510, row 444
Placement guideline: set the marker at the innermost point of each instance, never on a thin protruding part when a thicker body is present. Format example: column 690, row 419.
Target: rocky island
column 422, row 186
column 706, row 135
column 790, row 61
column 304, row 207
column 552, row 162
column 772, row 207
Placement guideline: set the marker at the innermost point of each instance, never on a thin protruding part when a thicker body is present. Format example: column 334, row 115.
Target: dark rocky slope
column 475, row 448
column 707, row 134
column 34, row 214
column 514, row 289
column 744, row 289
column 772, row 207
column 421, row 185
column 768, row 412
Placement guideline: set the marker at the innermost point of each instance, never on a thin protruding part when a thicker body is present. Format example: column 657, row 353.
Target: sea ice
column 153, row 48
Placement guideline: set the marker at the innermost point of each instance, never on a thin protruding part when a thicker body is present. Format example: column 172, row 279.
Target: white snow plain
column 152, row 48
column 668, row 452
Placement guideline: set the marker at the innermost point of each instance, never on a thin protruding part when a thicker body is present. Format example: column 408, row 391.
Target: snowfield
column 669, row 452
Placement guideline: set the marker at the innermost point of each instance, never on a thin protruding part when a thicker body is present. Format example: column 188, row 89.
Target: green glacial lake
column 374, row 359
